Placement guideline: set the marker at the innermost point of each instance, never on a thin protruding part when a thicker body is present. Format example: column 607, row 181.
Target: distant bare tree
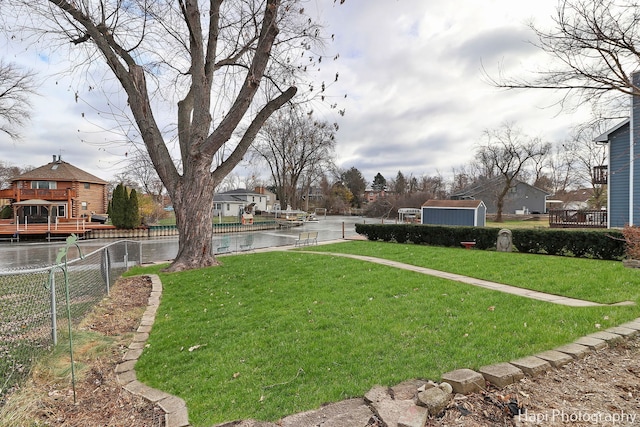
column 503, row 154
column 297, row 150
column 7, row 172
column 16, row 87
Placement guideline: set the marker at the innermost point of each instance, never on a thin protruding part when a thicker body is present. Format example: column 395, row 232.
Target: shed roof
column 59, row 171
column 464, row 204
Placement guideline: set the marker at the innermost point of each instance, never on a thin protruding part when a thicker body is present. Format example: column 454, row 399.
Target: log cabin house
column 56, row 191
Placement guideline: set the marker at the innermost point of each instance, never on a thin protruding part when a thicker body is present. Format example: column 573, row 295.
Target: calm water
column 31, row 254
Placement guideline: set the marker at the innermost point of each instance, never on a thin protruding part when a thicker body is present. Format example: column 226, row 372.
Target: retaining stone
column 606, row 336
column 592, row 343
column 132, row 354
column 175, row 410
column 555, row 358
column 464, row 381
column 620, row 330
column 501, row 374
column 152, row 394
column 632, row 325
column 577, row 351
column 532, row 366
column 125, row 366
column 127, row 377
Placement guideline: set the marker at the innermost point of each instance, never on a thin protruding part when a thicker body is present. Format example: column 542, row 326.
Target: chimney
column 54, row 158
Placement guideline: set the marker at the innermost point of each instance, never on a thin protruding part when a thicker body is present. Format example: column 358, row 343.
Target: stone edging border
column 467, row 381
column 464, row 381
column 175, row 409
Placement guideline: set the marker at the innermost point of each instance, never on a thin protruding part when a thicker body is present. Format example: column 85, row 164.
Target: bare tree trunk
column 193, row 207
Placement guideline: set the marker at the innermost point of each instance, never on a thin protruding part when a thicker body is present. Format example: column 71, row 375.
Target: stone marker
column 504, row 242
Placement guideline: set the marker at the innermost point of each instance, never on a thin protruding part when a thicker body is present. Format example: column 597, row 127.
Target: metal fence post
column 106, row 264
column 54, row 322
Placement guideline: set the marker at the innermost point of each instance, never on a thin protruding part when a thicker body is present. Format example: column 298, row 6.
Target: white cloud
column 412, row 71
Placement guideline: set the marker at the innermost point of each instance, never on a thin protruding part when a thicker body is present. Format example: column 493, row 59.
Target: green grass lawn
column 270, row 334
column 593, row 280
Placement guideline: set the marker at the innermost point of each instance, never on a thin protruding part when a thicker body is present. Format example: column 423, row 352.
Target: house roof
column 605, row 136
column 242, row 191
column 465, row 204
column 59, row 171
column 227, row 198
column 475, row 189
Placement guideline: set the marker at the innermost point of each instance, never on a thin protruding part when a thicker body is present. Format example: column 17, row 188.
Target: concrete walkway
column 527, row 293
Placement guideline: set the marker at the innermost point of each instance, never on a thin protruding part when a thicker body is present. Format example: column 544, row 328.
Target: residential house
column 371, row 195
column 56, row 190
column 233, row 202
column 522, row 198
column 622, row 174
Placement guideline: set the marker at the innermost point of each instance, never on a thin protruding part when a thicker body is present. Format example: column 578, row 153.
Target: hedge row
column 598, row 244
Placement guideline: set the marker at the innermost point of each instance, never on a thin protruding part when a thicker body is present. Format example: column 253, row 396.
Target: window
column 87, row 185
column 84, row 205
column 43, row 185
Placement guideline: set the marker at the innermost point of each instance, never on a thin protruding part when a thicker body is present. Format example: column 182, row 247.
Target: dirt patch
column 602, row 389
column 100, row 400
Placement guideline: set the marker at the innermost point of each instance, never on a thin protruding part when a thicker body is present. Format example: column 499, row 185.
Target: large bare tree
column 594, row 46
column 226, row 65
column 16, row 86
column 298, row 151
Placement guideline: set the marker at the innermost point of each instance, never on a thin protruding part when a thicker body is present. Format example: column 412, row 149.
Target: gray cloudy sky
column 416, row 101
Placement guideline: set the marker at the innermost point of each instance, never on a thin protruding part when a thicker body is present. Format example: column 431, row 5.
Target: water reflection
column 30, row 254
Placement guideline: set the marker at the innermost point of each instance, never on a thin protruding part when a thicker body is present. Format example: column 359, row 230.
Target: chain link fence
column 33, row 303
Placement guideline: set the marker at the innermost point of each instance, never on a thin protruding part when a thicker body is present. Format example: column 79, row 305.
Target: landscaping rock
column 609, row 337
column 501, row 374
column 577, row 351
column 352, row 412
column 532, row 365
column 434, row 400
column 555, row 358
column 385, row 407
column 464, row 381
column 408, row 390
column 446, row 387
column 592, row 343
column 415, row 416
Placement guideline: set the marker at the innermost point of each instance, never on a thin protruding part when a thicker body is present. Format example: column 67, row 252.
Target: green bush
column 598, row 244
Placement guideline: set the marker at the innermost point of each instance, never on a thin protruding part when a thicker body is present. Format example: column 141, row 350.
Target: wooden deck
column 14, row 232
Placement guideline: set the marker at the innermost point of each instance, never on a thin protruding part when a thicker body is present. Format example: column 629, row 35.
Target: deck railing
column 577, row 218
column 37, row 193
